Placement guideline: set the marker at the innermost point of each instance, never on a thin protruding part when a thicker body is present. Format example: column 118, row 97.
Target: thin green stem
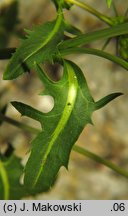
column 98, row 159
column 4, row 178
column 18, row 124
column 91, row 10
column 96, row 52
column 76, row 148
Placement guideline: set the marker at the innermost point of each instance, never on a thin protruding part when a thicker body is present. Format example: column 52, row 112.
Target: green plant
column 73, row 106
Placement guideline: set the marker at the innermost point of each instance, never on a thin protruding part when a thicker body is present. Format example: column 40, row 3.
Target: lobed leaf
column 61, row 127
column 10, row 173
column 41, row 44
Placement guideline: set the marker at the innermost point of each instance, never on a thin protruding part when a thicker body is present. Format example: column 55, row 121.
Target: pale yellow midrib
column 51, row 35
column 65, row 116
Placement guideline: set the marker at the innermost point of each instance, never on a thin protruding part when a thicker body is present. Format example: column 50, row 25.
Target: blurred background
column 85, row 179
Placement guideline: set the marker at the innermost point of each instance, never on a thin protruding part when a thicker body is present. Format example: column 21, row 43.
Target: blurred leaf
column 109, row 3
column 10, row 174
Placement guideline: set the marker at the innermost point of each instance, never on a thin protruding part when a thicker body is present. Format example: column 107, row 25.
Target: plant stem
column 96, row 52
column 18, row 124
column 5, row 181
column 100, row 160
column 76, row 148
column 91, row 10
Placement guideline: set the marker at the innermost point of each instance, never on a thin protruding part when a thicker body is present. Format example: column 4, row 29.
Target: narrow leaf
column 61, row 126
column 84, row 39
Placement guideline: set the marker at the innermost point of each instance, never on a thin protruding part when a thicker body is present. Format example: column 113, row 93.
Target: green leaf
column 61, row 127
column 41, row 44
column 109, row 3
column 84, row 39
column 10, row 173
